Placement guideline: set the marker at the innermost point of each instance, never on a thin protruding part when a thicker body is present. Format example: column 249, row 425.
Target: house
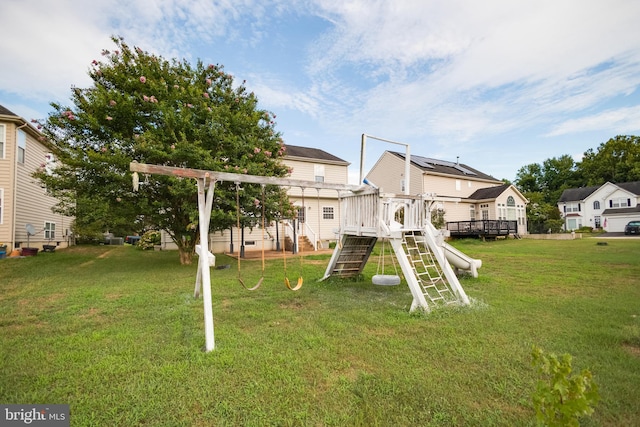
column 24, row 203
column 478, row 202
column 318, row 211
column 608, row 206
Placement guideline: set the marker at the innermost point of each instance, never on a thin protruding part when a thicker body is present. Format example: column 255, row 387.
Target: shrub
column 149, row 240
column 561, row 398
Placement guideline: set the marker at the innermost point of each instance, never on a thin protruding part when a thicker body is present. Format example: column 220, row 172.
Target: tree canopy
column 153, row 110
column 617, row 160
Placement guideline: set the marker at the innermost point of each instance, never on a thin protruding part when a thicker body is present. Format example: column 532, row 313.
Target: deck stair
column 304, row 244
column 350, row 256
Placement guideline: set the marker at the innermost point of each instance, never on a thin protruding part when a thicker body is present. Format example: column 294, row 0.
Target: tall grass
column 116, row 333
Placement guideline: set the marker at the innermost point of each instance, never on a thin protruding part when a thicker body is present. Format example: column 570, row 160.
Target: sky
column 497, row 84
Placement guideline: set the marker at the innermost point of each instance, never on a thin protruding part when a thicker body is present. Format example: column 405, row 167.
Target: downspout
column 15, row 187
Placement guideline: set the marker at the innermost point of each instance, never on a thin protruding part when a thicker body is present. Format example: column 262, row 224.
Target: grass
column 115, row 333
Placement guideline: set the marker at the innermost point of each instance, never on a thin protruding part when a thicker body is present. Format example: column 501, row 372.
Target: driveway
column 617, row 235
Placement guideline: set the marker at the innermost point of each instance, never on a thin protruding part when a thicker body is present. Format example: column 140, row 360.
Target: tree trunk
column 186, row 250
column 186, row 256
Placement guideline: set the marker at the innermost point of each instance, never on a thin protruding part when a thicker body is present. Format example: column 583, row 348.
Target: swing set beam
column 245, row 178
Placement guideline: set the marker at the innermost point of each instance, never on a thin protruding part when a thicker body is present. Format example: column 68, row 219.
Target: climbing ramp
column 350, row 256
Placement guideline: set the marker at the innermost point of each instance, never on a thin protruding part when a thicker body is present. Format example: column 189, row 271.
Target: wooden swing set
column 206, row 181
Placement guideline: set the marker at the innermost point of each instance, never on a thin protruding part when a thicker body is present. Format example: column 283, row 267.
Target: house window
column 49, row 230
column 572, row 207
column 22, row 146
column 596, row 205
column 327, row 212
column 485, row 214
column 511, row 202
column 1, row 203
column 458, row 185
column 2, row 139
column 472, row 212
column 318, row 172
column 619, row 203
column 574, row 223
column 597, row 221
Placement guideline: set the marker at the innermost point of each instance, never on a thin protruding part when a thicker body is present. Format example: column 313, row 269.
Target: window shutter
column 610, row 203
column 578, row 207
column 629, row 202
column 565, row 208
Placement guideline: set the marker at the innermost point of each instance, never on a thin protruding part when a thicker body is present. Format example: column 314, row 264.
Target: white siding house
column 481, row 196
column 23, row 150
column 608, row 206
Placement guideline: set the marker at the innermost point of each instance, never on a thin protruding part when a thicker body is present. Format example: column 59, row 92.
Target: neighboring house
column 608, row 206
column 23, row 200
column 481, row 196
column 319, row 219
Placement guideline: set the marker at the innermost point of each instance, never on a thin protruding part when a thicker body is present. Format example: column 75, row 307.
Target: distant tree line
column 615, row 161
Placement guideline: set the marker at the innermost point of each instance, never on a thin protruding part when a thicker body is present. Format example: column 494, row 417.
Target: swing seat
column 386, row 279
column 296, row 287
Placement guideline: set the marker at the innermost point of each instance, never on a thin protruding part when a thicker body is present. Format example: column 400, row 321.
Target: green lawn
column 115, row 333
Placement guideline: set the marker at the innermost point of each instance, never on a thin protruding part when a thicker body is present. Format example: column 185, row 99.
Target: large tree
column 617, row 160
column 550, row 178
column 146, row 108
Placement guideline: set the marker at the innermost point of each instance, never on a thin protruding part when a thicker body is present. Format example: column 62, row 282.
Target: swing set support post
column 205, row 203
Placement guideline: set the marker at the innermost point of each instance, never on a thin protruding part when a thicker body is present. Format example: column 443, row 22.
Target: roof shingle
column 311, row 153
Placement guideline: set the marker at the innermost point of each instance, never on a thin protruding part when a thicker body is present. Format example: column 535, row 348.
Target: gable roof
column 632, row 187
column 309, row 154
column 443, row 167
column 489, row 192
column 575, row 194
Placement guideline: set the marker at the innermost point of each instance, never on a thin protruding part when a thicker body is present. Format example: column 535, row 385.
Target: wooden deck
column 482, row 228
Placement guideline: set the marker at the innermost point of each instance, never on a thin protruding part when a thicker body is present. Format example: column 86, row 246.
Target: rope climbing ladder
column 426, row 268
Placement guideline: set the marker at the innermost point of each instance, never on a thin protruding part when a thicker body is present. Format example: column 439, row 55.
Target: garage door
column 617, row 223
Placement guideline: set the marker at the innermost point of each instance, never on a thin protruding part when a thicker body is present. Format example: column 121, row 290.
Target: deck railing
column 364, row 214
column 484, row 227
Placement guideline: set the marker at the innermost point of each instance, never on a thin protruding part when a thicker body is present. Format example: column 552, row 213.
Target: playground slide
column 459, row 260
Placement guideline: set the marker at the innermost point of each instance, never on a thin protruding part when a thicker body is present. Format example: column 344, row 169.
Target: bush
column 585, row 229
column 149, row 240
column 561, row 398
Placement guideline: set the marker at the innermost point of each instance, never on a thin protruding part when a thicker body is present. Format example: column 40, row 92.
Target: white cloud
column 619, row 121
column 51, row 46
column 459, row 69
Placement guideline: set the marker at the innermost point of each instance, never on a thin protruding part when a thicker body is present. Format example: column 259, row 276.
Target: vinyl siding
column 388, row 172
column 6, row 182
column 446, row 186
column 33, row 205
